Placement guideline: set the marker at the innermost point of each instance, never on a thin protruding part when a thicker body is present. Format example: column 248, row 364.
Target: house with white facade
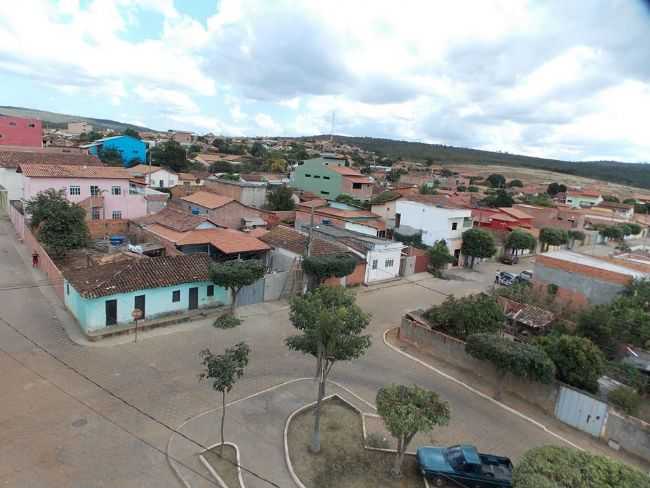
column 155, row 175
column 435, row 218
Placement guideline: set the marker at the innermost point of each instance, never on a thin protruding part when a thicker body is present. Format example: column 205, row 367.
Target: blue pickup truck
column 464, row 466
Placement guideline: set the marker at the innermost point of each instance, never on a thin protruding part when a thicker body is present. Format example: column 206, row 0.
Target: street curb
column 215, row 474
column 479, row 393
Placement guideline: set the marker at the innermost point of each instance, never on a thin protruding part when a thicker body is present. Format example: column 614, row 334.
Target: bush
column 626, row 399
column 376, row 440
column 524, row 360
column 563, row 467
column 462, row 317
column 323, row 267
column 227, row 321
column 628, row 375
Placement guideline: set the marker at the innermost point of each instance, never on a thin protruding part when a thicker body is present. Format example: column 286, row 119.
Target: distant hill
column 55, row 120
column 633, row 174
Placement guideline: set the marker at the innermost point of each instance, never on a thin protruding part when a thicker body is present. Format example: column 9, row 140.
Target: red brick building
column 18, row 131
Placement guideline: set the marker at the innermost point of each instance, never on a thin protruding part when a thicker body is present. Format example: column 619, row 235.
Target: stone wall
column 630, row 433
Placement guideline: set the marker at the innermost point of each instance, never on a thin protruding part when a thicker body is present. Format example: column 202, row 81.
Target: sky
column 550, row 78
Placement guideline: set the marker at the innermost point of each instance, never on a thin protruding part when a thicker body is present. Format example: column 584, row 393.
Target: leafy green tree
column 499, row 199
column 111, row 157
column 461, row 188
column 462, row 317
column 515, row 184
column 613, row 232
column 170, row 154
column 59, row 224
column 472, row 189
column 633, row 228
column 407, row 410
column 439, row 257
column 526, row 361
column 611, row 198
column 299, row 153
column 555, row 188
column 630, row 201
column 414, row 240
column 223, row 370
column 478, row 243
column 564, row 467
column 598, row 325
column 280, row 198
column 331, row 327
column 394, row 175
column 496, row 180
column 91, row 136
column 549, row 236
column 427, row 189
column 221, row 167
column 626, row 399
column 519, row 240
column 576, row 235
column 323, row 267
column 578, row 361
column 235, row 275
column 131, row 133
column 258, row 150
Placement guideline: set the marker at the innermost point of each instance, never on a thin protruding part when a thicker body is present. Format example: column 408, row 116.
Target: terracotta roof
column 513, row 212
column 503, row 217
column 358, row 179
column 145, row 169
column 314, row 203
column 207, row 199
column 257, row 232
column 622, row 206
column 228, row 241
column 140, row 274
column 529, row 315
column 433, row 200
column 61, row 171
column 13, row 159
column 188, row 176
column 172, row 219
column 296, row 242
column 583, row 193
column 344, row 170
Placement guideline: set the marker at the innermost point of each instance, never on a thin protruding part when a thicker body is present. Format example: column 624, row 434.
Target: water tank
column 117, row 240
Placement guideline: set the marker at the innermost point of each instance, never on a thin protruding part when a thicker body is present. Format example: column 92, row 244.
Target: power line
column 125, row 402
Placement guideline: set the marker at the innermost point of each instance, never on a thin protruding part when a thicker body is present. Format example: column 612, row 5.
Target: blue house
column 106, row 295
column 132, row 149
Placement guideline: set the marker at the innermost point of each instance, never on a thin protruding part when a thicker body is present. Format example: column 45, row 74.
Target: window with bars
column 388, row 263
column 117, row 214
column 94, row 191
column 116, row 190
column 75, row 190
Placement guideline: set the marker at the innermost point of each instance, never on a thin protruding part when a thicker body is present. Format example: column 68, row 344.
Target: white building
column 155, row 175
column 435, row 218
column 78, row 128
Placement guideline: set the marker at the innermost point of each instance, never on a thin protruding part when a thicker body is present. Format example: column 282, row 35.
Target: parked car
column 464, row 466
column 525, row 276
column 506, row 279
column 509, row 259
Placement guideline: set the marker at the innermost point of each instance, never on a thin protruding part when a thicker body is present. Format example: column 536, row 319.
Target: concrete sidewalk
column 256, row 425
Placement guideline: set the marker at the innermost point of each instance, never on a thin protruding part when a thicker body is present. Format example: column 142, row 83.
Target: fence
column 567, row 404
column 45, row 264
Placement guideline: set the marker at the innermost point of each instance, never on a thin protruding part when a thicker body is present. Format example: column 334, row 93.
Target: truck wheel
column 439, row 481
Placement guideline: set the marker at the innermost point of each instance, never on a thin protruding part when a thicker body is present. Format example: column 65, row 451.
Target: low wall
column 632, row 434
column 452, row 351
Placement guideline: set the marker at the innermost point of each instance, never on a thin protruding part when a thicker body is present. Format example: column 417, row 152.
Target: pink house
column 105, row 192
column 18, row 131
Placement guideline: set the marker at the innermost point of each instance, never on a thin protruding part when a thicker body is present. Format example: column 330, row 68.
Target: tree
column 236, row 274
column 407, row 410
column 576, row 235
column 555, row 188
column 224, row 370
column 111, row 157
column 630, row 201
column 472, row 189
column 499, row 199
column 462, row 317
column 549, row 236
column 91, row 136
column 394, row 175
column 331, row 325
column 633, row 228
column 578, row 361
column 519, row 240
column 280, row 199
column 59, row 224
column 526, row 361
column 131, row 133
column 564, row 467
column 611, row 198
column 323, row 267
column 613, row 232
column 170, row 154
column 496, row 180
column 439, row 257
column 427, row 189
column 515, row 184
column 258, row 150
column 221, row 167
column 478, row 243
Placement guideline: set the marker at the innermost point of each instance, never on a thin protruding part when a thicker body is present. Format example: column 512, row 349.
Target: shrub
column 462, row 317
column 626, row 399
column 563, row 467
column 227, row 321
column 375, row 439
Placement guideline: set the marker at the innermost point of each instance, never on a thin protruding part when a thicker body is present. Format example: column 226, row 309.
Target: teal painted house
column 329, row 176
column 106, row 295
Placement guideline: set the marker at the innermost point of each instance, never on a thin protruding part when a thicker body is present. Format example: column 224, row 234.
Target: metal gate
column 251, row 294
column 581, row 411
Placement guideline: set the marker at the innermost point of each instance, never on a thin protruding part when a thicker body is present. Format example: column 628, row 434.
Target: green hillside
column 634, row 174
column 54, row 120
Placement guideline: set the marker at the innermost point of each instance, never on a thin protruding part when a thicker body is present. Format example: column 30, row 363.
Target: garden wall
column 632, row 434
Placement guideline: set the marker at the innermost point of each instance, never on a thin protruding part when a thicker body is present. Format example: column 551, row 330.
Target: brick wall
column 100, row 228
column 600, row 274
column 231, row 215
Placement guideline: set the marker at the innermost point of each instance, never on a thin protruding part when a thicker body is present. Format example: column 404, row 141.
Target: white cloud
column 166, row 100
column 265, row 122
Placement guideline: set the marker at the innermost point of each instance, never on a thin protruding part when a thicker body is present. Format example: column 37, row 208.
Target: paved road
column 100, row 416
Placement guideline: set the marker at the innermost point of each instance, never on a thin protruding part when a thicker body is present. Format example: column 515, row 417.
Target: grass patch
column 227, row 321
column 343, row 461
column 225, row 465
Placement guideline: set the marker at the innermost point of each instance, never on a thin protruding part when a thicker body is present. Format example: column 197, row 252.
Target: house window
column 116, row 190
column 388, row 263
column 96, row 213
column 75, row 190
column 356, row 186
column 161, row 183
column 117, row 214
column 454, row 225
column 176, row 296
column 326, row 177
column 324, row 192
column 317, row 176
column 374, row 264
column 94, row 191
column 307, row 176
column 195, row 210
column 210, row 290
column 67, row 288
